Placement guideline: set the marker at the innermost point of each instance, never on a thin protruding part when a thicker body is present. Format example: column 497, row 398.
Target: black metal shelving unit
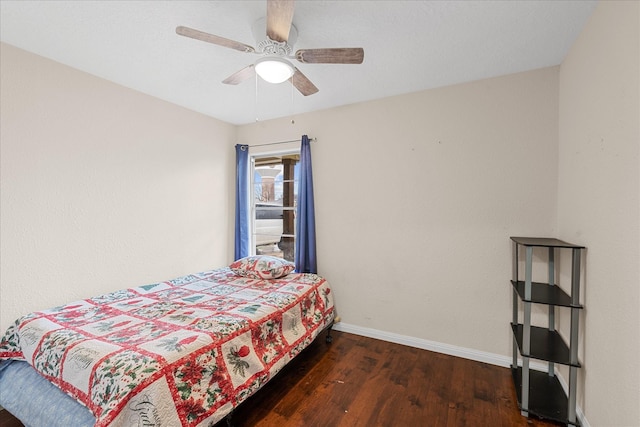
column 540, row 393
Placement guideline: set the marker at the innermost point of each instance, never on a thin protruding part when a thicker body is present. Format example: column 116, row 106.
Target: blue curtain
column 242, row 242
column 305, row 255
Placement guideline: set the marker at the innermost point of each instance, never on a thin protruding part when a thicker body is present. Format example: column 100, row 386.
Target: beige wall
column 417, row 195
column 102, row 187
column 599, row 203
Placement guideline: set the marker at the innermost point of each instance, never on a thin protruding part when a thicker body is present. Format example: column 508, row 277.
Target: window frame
column 252, row 183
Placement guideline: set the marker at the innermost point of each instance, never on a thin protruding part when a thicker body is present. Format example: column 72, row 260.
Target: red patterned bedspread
column 179, row 353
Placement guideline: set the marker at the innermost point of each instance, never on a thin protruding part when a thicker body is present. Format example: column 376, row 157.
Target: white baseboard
column 452, row 350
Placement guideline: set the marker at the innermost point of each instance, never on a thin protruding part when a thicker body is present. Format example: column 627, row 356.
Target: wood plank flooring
column 363, row 382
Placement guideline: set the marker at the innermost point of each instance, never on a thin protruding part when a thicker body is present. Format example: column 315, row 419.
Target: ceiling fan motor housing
column 266, row 46
column 274, row 48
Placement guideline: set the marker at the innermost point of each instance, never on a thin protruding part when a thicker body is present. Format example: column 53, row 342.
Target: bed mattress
column 182, row 352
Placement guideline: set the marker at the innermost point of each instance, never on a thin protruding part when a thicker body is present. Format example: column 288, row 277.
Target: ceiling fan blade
column 339, row 55
column 302, row 83
column 210, row 38
column 279, row 18
column 240, row 76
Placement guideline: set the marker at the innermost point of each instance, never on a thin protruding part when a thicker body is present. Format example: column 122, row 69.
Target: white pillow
column 262, row 267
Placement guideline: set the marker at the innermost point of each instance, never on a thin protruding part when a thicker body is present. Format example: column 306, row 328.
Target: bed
column 183, row 352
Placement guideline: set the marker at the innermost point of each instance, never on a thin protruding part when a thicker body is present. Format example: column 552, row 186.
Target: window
column 273, row 203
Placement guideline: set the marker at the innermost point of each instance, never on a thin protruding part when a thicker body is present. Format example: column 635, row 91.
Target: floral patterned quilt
column 179, row 353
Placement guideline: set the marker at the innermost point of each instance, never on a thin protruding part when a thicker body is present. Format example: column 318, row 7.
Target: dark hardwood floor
column 359, row 381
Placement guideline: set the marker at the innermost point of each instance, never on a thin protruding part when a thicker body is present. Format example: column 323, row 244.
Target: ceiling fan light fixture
column 274, row 70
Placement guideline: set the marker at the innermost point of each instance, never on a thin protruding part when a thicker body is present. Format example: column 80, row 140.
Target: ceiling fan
column 275, row 50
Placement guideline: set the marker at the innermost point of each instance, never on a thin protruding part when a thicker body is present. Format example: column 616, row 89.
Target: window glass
column 275, row 192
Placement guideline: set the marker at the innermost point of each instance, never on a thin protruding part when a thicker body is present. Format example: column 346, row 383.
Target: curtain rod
column 279, row 142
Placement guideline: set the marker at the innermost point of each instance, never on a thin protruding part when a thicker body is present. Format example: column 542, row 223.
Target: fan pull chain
column 256, row 110
column 293, row 122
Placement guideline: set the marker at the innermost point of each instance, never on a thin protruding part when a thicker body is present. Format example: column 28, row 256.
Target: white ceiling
column 409, row 46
